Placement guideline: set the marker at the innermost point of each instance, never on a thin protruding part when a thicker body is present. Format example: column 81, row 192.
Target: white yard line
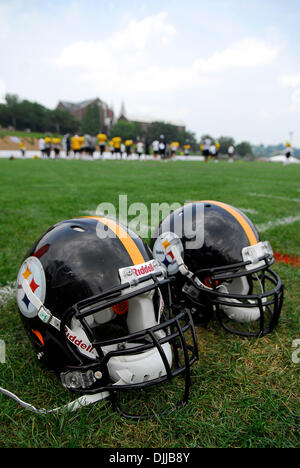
column 277, row 222
column 7, row 292
column 248, row 210
column 276, row 197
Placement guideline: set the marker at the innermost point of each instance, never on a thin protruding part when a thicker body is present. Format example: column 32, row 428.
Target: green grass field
column 245, row 392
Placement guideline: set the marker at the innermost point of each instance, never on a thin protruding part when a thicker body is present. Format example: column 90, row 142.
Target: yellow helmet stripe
column 129, row 244
column 243, row 222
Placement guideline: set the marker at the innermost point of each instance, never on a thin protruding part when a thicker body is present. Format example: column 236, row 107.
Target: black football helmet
column 90, row 297
column 221, row 267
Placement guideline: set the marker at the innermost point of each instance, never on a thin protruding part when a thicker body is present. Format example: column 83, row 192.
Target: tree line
column 24, row 114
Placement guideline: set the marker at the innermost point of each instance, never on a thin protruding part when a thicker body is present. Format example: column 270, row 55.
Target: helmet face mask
column 228, row 276
column 138, row 354
column 94, row 310
column 248, row 304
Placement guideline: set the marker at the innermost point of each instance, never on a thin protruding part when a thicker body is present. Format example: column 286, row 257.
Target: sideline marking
column 287, row 259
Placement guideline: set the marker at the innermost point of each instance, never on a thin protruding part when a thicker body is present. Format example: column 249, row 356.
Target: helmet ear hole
column 78, row 228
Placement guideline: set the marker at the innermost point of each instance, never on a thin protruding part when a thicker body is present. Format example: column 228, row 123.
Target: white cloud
column 137, row 57
column 133, row 59
column 126, row 47
column 245, row 53
column 290, row 81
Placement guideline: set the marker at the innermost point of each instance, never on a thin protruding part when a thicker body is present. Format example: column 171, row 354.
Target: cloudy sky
column 224, row 67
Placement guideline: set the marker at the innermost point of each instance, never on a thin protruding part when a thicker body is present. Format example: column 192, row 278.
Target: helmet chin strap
column 183, row 269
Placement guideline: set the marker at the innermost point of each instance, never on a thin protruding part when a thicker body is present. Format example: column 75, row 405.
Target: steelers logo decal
column 162, row 251
column 31, row 271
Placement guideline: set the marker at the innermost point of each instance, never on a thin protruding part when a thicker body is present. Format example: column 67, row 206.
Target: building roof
column 79, row 105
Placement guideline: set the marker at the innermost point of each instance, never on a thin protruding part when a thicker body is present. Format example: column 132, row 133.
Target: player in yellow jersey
column 288, row 153
column 117, row 144
column 187, row 150
column 174, row 147
column 75, row 144
column 56, row 142
column 128, row 145
column 22, row 148
column 102, row 139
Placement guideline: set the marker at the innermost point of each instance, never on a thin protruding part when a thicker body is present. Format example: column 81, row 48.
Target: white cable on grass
column 84, row 400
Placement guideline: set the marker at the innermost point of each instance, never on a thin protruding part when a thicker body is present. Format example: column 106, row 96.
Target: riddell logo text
column 79, row 342
column 143, row 270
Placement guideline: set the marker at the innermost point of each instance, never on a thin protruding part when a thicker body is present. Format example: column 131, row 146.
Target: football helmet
column 221, row 267
column 90, row 297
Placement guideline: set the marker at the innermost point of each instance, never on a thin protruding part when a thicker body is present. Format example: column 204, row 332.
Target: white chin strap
column 84, row 400
column 137, row 368
column 239, row 314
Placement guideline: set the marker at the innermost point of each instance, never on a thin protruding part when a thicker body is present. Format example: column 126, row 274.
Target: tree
column 26, row 114
column 170, row 132
column 5, row 119
column 61, row 121
column 244, row 149
column 11, row 99
column 124, row 129
column 91, row 121
column 30, row 115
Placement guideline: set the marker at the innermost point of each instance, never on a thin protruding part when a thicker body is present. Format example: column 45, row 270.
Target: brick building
column 78, row 110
